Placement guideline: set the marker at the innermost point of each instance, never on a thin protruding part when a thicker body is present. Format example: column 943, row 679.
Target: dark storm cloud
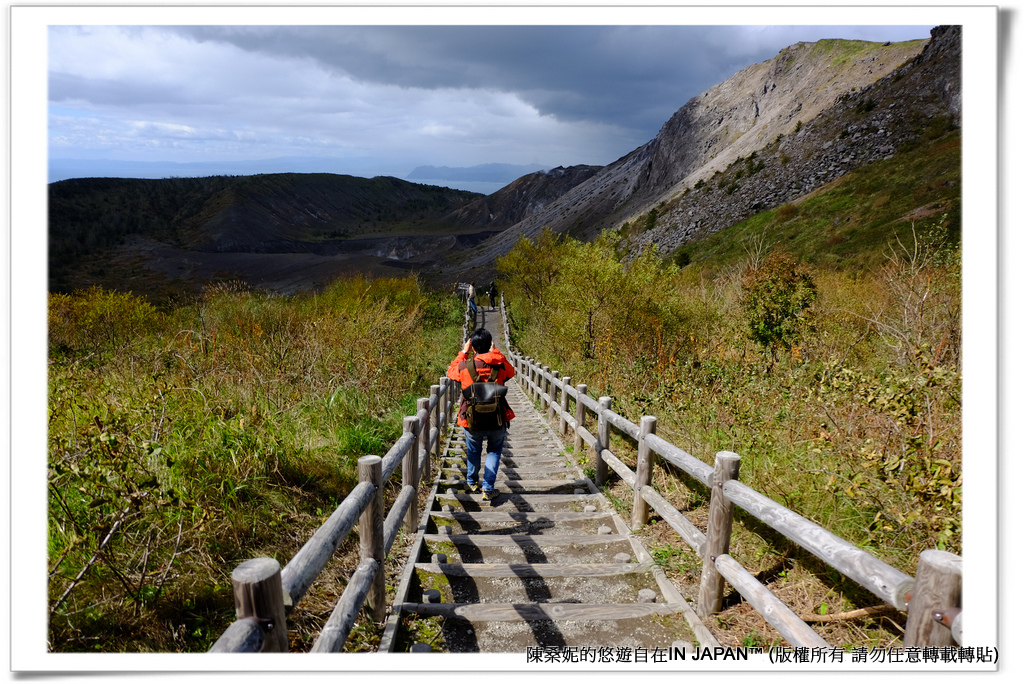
column 629, row 76
column 386, row 99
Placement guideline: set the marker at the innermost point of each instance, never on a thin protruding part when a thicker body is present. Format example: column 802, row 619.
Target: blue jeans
column 474, row 446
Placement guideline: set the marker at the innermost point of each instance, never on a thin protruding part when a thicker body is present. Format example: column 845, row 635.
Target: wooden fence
column 265, row 594
column 932, row 601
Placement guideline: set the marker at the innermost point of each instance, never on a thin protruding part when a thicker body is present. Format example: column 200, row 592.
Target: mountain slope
column 760, row 109
column 91, row 218
column 520, row 199
column 769, row 135
column 914, row 104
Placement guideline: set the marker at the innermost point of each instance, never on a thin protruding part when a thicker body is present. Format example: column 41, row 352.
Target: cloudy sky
column 382, row 100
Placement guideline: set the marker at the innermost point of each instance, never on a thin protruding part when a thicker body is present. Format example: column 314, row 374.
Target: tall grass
column 185, row 441
column 854, row 422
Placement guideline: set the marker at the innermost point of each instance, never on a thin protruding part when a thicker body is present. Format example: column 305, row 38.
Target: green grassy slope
column 848, row 224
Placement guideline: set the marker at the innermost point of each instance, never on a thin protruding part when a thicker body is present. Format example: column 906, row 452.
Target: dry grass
column 228, row 429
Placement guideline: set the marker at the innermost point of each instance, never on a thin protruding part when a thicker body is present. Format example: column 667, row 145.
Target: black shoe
column 490, row 494
column 472, row 488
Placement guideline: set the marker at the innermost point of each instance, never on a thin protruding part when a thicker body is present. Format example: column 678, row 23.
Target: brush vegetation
column 820, row 341
column 184, row 441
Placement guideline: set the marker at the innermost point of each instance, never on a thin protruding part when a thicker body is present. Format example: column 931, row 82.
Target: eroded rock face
column 813, row 113
column 862, row 127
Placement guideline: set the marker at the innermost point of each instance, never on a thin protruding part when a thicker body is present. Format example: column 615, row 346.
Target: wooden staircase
column 549, row 563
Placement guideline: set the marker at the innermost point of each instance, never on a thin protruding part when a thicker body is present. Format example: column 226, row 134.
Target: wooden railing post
column 601, row 467
column 535, row 379
column 435, row 396
column 453, row 399
column 443, row 414
column 543, row 385
column 371, row 533
column 563, row 424
column 424, row 415
column 936, row 590
column 553, row 394
column 712, row 584
column 257, row 588
column 410, row 474
column 581, row 418
column 641, row 510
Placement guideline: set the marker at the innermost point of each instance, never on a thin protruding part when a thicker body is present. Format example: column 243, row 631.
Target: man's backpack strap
column 475, row 375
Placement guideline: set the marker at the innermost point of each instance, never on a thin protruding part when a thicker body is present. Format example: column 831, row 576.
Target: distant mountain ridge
column 64, row 169
column 263, row 214
column 520, row 199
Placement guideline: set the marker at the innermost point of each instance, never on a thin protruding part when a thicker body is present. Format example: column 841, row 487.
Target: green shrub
column 852, row 428
column 776, row 296
column 97, row 320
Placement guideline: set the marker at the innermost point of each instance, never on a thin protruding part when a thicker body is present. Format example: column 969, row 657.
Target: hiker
column 480, row 358
column 471, row 297
column 493, row 294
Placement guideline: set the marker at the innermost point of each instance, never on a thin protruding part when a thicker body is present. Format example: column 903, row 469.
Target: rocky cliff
column 803, row 118
column 917, row 101
column 519, row 200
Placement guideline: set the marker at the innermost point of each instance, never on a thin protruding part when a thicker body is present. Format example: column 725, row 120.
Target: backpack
column 483, row 403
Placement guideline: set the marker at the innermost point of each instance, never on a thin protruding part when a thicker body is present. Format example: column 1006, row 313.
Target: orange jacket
column 457, row 371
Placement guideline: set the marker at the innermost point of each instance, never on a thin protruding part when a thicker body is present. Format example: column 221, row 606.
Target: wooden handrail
column 421, row 436
column 778, row 614
column 883, row 580
column 334, row 634
column 245, row 635
column 397, row 453
column 691, row 465
column 676, row 520
column 307, row 564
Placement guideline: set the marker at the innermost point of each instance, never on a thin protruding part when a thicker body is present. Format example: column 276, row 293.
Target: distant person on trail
column 493, row 294
column 480, row 362
column 471, row 297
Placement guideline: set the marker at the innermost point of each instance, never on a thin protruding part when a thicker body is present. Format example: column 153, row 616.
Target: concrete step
column 528, row 583
column 516, row 461
column 509, row 473
column 521, row 502
column 513, row 628
column 546, row 486
column 518, row 548
column 516, row 522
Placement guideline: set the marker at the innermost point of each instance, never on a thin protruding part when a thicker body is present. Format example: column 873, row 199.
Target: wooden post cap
column 255, row 570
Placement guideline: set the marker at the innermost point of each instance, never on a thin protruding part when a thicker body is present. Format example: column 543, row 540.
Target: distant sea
column 471, row 186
